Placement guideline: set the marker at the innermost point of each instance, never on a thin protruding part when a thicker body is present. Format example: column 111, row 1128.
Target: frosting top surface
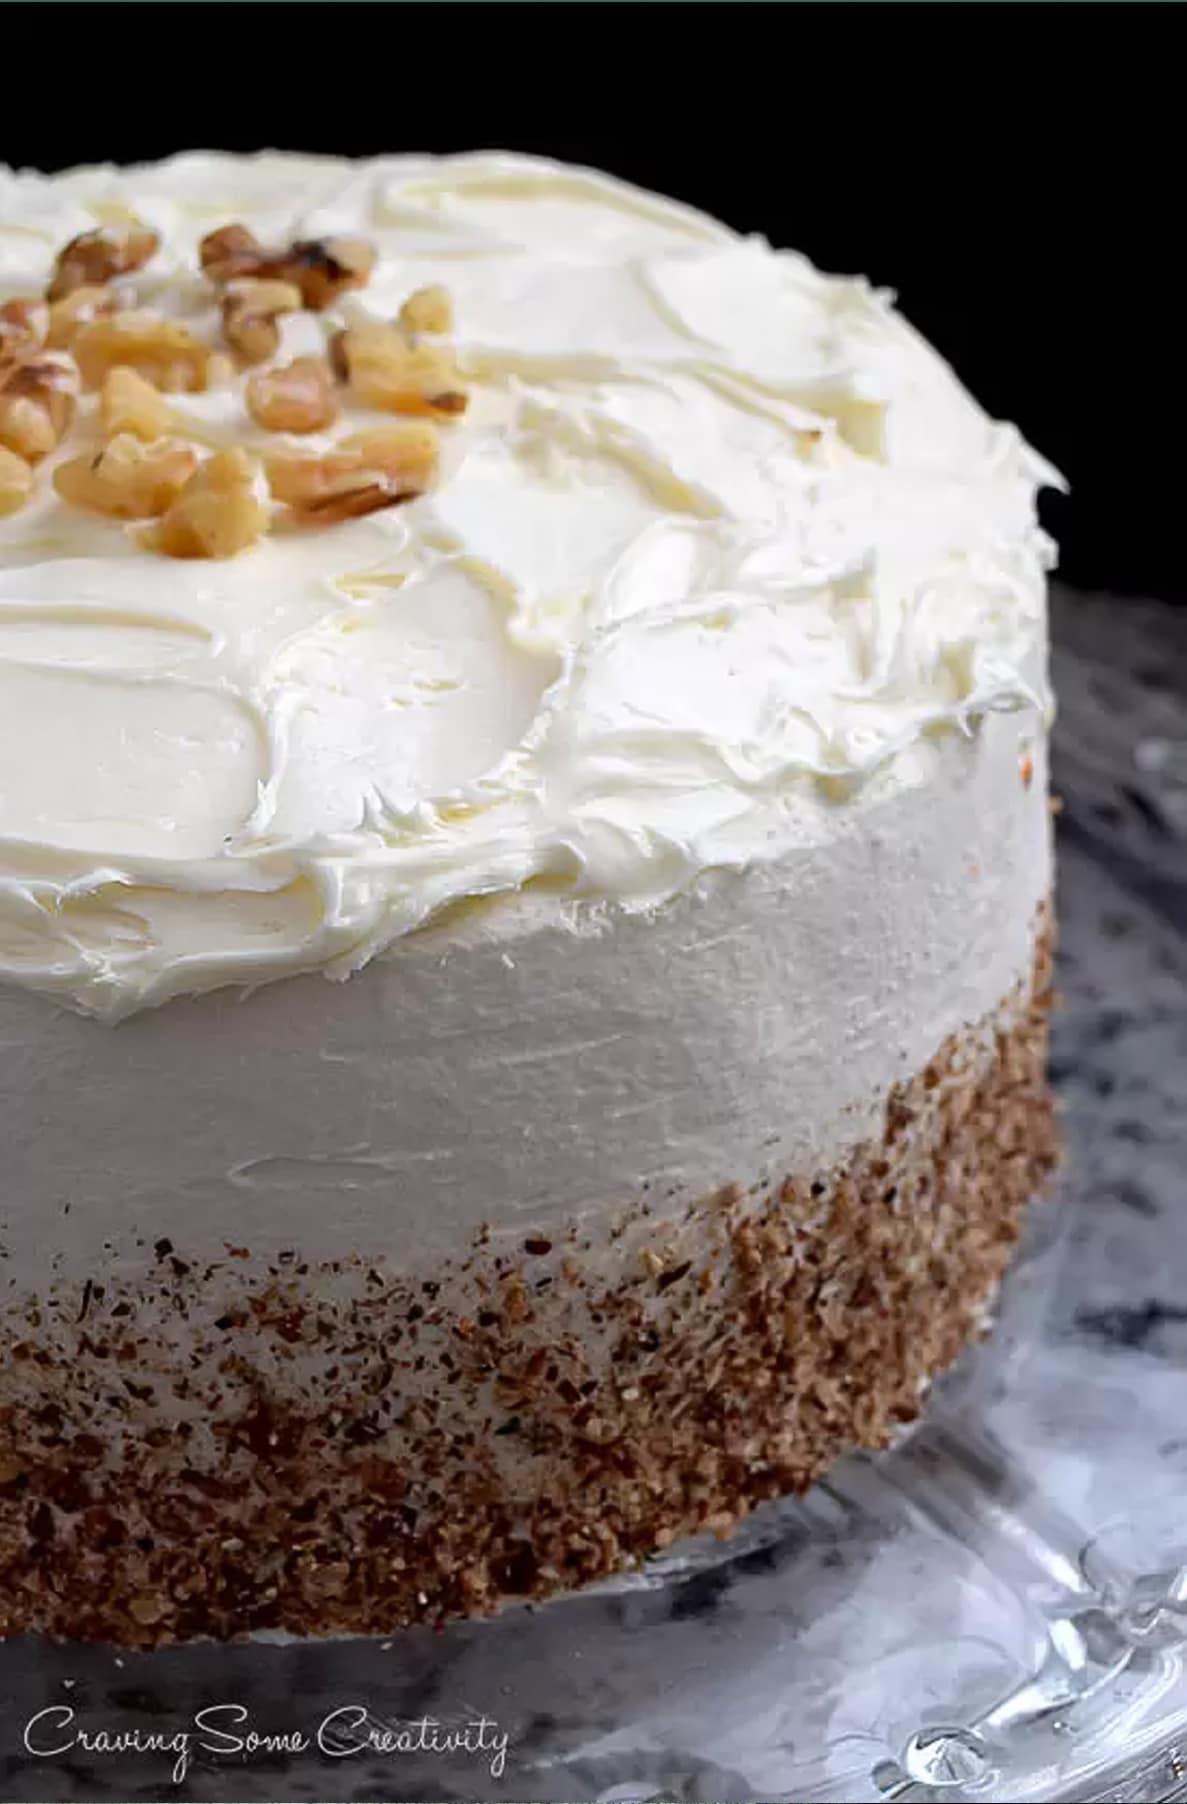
column 720, row 551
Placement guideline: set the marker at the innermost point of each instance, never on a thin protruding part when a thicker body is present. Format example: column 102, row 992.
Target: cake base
column 219, row 1448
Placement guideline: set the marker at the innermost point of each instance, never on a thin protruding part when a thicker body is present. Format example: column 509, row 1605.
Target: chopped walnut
column 127, row 480
column 68, row 316
column 217, row 514
column 251, row 310
column 231, row 251
column 220, row 370
column 361, row 474
column 94, row 258
column 25, row 428
column 130, row 403
column 322, row 268
column 38, row 393
column 353, row 496
column 23, row 325
column 16, row 481
column 162, row 350
column 385, row 370
column 298, row 398
column 428, row 310
column 149, row 1607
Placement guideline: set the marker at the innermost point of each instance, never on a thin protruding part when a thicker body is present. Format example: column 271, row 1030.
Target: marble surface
column 997, row 1609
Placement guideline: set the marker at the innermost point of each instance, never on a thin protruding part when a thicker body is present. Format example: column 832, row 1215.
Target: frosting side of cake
column 194, row 1446
column 721, row 562
column 503, row 1069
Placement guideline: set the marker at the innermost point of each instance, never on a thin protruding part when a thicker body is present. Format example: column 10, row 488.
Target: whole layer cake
column 524, row 875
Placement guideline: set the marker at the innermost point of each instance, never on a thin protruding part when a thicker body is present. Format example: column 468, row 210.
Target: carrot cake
column 524, row 884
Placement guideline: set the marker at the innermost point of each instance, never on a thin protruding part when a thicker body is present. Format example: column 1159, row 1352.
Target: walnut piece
column 16, row 481
column 230, row 252
column 217, row 514
column 321, row 268
column 130, row 403
column 385, row 370
column 220, row 370
column 127, row 480
column 164, row 351
column 298, row 398
column 75, row 310
column 38, row 393
column 324, row 268
column 94, row 258
column 361, row 474
column 25, row 428
column 251, row 310
column 428, row 310
column 23, row 326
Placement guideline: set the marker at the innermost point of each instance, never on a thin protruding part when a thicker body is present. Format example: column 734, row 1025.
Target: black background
column 1014, row 172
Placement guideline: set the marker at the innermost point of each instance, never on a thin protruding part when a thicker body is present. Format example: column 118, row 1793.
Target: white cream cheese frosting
column 722, row 556
column 509, row 1068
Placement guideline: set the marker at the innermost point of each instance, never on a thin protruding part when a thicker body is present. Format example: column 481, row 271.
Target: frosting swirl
column 721, row 551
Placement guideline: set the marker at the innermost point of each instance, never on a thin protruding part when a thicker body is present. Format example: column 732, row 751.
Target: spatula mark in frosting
column 749, row 550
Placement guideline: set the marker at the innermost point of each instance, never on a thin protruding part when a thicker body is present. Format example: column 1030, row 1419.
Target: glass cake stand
column 995, row 1609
